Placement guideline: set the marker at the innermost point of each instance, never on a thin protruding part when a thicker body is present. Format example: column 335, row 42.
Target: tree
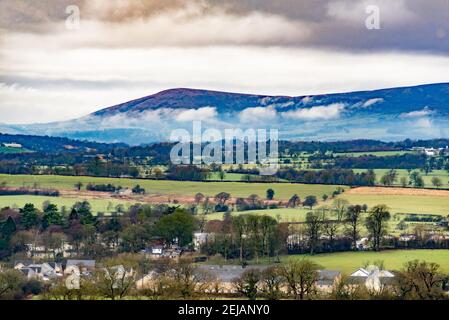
column 404, row 182
column 300, row 278
column 185, row 279
column 248, row 283
column 222, row 197
column 344, row 289
column 417, row 180
column 310, row 201
column 294, row 201
column 54, row 241
column 253, row 228
column 138, row 190
column 267, row 230
column 178, row 226
column 271, row 283
column 78, row 186
column 51, row 216
column 116, row 277
column 436, row 182
column 134, row 237
column 314, row 225
column 353, row 216
column 389, row 178
column 30, row 217
column 10, row 281
column 84, row 212
column 376, row 223
column 239, row 227
column 339, row 206
column 199, row 197
column 330, row 228
column 270, row 194
column 420, row 280
column 221, row 174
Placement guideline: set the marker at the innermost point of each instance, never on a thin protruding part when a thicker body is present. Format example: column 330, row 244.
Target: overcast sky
column 125, row 49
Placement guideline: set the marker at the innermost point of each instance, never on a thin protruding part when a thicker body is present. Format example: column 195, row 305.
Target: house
column 327, row 279
column 12, row 145
column 407, row 237
column 226, row 274
column 154, row 250
column 362, row 244
column 42, row 252
column 44, row 271
column 200, row 238
column 124, row 192
column 431, row 152
column 372, row 277
column 118, row 274
column 79, row 266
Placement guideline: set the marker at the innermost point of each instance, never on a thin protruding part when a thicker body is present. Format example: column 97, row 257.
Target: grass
column 282, row 215
column 13, row 150
column 403, row 203
column 348, row 262
column 98, row 205
column 186, row 188
column 227, row 177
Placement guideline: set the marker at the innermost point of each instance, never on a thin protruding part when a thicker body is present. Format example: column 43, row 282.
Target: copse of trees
column 404, row 161
column 329, row 176
column 246, row 237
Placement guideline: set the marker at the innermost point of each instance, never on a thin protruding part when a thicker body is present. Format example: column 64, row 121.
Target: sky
column 54, row 66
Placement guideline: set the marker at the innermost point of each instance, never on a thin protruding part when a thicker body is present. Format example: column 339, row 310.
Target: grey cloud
column 424, row 27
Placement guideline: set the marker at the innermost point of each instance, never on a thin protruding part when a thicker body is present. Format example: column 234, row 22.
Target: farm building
column 373, row 277
column 12, row 145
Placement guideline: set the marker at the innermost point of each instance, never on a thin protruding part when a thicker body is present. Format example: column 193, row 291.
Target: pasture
column 8, row 150
column 98, row 205
column 283, row 191
column 348, row 262
column 442, row 174
column 401, row 200
column 281, row 215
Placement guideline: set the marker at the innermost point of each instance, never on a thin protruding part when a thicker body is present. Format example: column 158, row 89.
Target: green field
column 228, row 176
column 403, row 203
column 348, row 262
column 187, row 188
column 13, row 150
column 282, row 215
column 98, row 205
column 442, row 174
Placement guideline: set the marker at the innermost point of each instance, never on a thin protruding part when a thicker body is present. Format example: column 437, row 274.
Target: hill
column 420, row 112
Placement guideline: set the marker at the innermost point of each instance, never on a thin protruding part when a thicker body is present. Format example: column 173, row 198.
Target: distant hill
column 54, row 144
column 420, row 112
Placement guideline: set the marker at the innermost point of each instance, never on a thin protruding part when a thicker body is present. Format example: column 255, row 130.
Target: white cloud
column 328, row 112
column 423, row 123
column 201, row 114
column 417, row 114
column 370, row 102
column 257, row 114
